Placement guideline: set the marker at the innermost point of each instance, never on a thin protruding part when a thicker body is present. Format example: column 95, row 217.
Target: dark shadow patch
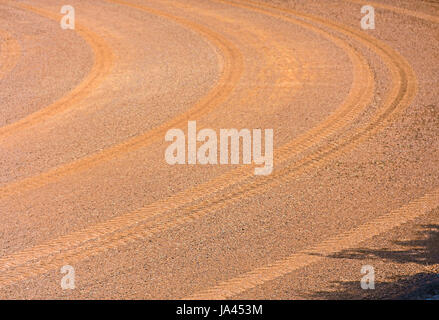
column 419, row 286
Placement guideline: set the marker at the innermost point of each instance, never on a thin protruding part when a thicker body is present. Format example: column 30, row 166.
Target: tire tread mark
column 86, row 237
column 348, row 240
column 232, row 70
column 103, row 61
column 402, row 92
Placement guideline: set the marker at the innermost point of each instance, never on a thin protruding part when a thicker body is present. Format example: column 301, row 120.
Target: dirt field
column 84, row 181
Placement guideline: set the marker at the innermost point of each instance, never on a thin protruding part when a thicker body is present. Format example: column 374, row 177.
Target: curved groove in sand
column 103, row 60
column 112, row 233
column 231, row 73
column 344, row 241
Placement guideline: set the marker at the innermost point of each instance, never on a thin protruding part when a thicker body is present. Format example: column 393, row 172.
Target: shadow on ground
column 419, row 286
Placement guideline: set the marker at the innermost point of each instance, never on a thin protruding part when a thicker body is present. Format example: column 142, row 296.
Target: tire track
column 229, row 288
column 103, row 62
column 54, row 174
column 348, row 240
column 83, row 243
column 273, row 58
column 231, row 73
column 402, row 94
column 13, row 185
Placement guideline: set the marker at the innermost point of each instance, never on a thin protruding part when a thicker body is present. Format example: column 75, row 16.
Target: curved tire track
column 81, row 243
column 402, row 92
column 101, row 68
column 233, row 67
column 344, row 241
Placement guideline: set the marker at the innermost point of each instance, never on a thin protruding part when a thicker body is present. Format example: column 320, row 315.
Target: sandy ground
column 84, row 181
